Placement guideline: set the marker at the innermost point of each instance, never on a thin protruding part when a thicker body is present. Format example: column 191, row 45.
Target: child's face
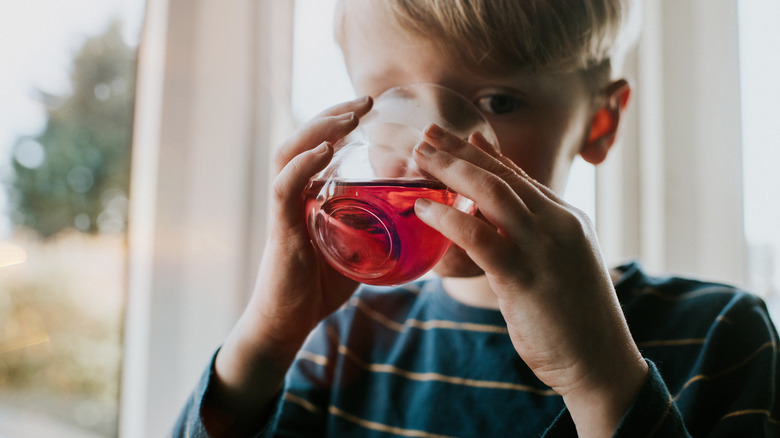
column 541, row 120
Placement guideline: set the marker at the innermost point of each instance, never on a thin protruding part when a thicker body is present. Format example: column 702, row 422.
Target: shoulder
column 673, row 313
column 674, row 317
column 677, row 296
column 714, row 344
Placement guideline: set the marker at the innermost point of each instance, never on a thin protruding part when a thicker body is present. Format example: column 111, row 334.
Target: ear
column 605, row 121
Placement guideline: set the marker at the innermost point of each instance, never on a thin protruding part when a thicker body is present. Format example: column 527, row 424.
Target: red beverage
column 368, row 230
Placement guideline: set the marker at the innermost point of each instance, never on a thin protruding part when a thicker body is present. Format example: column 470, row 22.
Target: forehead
column 375, row 49
column 379, row 54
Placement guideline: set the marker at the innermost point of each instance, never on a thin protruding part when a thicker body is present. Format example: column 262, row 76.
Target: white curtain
column 671, row 194
column 213, row 99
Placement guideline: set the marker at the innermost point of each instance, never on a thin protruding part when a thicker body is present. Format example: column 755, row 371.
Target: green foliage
column 75, row 173
column 56, row 344
column 61, row 329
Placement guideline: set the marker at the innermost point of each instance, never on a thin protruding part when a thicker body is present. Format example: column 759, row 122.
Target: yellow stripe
column 302, row 402
column 671, row 342
column 391, row 369
column 333, row 334
column 679, row 342
column 686, row 296
column 724, row 319
column 424, row 325
column 429, row 376
column 452, row 325
column 382, row 427
column 376, row 316
column 412, row 289
column 316, row 358
column 726, row 371
column 763, row 412
column 662, row 419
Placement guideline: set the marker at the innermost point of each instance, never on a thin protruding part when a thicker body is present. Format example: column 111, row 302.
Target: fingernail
column 321, row 149
column 346, row 117
column 362, row 99
column 434, row 131
column 422, row 204
column 425, row 149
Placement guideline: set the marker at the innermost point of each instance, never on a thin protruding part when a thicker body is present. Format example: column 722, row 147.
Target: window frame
column 685, row 121
column 212, row 100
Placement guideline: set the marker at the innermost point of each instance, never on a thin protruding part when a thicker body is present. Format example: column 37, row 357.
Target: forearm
column 250, row 369
column 211, row 411
column 598, row 411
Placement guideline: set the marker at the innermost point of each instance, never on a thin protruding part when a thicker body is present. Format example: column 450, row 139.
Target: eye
column 497, row 103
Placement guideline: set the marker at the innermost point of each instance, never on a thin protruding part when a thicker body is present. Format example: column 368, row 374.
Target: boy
column 525, row 331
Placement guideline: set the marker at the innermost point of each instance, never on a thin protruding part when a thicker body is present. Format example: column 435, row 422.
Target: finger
column 483, row 244
column 330, row 125
column 483, row 144
column 484, row 152
column 495, row 198
column 479, row 140
column 290, row 183
column 543, row 189
column 486, row 156
column 362, row 103
column 318, row 130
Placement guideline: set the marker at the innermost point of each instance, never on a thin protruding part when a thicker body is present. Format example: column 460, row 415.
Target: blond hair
column 505, row 36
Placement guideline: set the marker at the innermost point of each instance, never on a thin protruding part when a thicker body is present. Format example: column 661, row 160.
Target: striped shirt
column 412, row 362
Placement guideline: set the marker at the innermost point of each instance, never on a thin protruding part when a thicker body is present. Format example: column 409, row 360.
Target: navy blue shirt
column 412, row 361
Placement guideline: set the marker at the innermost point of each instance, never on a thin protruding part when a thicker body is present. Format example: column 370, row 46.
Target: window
column 65, row 124
column 760, row 68
column 213, row 98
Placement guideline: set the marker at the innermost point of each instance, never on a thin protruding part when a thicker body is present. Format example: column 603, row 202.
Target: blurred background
column 67, row 88
column 134, row 145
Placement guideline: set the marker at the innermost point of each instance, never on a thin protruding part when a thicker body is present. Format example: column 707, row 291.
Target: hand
column 542, row 261
column 296, row 288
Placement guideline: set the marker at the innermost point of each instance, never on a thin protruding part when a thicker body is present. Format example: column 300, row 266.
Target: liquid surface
column 368, row 230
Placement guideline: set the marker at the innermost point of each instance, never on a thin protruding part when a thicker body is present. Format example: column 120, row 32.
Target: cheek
column 534, row 149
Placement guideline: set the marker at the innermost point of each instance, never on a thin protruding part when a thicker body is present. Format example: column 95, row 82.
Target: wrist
column 598, row 406
column 249, row 372
column 258, row 341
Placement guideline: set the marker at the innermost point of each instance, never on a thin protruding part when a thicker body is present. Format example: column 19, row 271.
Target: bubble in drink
column 368, row 230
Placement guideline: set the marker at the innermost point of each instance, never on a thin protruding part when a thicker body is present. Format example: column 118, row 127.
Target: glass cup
column 360, row 209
